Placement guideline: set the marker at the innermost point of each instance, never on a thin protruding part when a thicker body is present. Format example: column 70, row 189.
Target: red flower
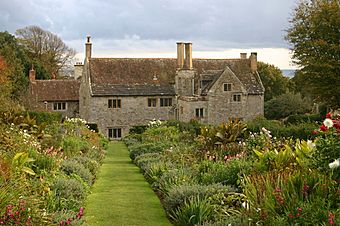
column 300, row 210
column 315, row 132
column 291, row 216
column 323, row 128
column 337, row 125
column 329, row 115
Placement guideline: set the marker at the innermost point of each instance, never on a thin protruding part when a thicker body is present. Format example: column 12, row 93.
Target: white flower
column 334, row 164
column 328, row 123
column 310, row 144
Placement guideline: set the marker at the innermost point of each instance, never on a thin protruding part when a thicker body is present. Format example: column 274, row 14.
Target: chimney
column 88, row 48
column 188, row 55
column 180, row 55
column 243, row 55
column 32, row 74
column 253, row 62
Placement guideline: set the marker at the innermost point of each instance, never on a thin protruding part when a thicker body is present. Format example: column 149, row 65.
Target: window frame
column 165, row 102
column 114, row 133
column 199, row 112
column 229, row 87
column 59, row 106
column 237, row 97
column 152, row 102
column 114, row 103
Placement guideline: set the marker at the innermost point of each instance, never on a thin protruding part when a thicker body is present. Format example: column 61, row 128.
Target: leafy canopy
column 314, row 35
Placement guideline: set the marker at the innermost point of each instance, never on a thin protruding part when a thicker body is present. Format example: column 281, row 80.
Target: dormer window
column 226, row 87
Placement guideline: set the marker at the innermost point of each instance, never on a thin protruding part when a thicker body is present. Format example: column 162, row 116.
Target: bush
column 139, row 129
column 193, row 212
column 67, row 194
column 179, row 194
column 296, row 119
column 90, row 164
column 175, row 177
column 285, row 105
column 142, row 161
column 161, row 134
column 226, row 173
column 45, row 117
column 41, row 161
column 74, row 145
column 72, row 166
column 277, row 129
column 142, row 148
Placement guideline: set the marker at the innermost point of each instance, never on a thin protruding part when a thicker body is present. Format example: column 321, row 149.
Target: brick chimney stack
column 88, row 47
column 180, row 55
column 253, row 62
column 243, row 55
column 188, row 55
column 32, row 74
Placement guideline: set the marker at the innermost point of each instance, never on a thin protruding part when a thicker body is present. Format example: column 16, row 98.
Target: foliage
column 46, row 48
column 73, row 146
column 297, row 119
column 149, row 147
column 314, row 36
column 275, row 84
column 179, row 194
column 13, row 60
column 71, row 166
column 297, row 197
column 286, row 105
column 193, row 212
column 45, row 117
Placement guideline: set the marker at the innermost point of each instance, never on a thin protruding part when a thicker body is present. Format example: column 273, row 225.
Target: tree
column 285, row 105
column 273, row 80
column 13, row 60
column 46, row 48
column 314, row 34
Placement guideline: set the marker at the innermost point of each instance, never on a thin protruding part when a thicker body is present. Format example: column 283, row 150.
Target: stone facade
column 118, row 93
column 54, row 95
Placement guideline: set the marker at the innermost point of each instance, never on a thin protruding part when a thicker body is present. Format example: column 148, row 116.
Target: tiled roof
column 136, row 76
column 55, row 90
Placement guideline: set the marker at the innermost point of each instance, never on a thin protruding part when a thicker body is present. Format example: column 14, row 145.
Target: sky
column 151, row 28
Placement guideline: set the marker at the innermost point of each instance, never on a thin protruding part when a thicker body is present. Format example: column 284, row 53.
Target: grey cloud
column 212, row 23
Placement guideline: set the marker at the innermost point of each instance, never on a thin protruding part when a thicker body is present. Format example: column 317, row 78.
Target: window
column 114, row 103
column 227, row 86
column 61, row 106
column 115, row 133
column 237, row 97
column 165, row 102
column 152, row 102
column 199, row 112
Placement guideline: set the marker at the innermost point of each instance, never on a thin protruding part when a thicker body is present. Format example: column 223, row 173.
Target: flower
column 329, row 115
column 334, row 164
column 328, row 123
column 323, row 128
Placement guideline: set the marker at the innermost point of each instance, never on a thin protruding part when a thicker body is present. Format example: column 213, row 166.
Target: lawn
column 121, row 196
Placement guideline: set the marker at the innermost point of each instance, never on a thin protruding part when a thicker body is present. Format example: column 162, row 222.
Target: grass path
column 121, row 196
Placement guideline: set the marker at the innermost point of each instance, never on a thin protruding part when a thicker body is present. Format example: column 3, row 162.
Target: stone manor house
column 118, row 93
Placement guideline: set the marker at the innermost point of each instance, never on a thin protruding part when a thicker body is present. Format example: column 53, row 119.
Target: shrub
column 177, row 195
column 45, row 117
column 72, row 166
column 285, row 105
column 161, row 134
column 139, row 129
column 74, row 145
column 67, row 194
column 296, row 119
column 226, row 173
column 90, row 164
column 41, row 161
column 175, row 177
column 142, row 161
column 193, row 212
column 142, row 148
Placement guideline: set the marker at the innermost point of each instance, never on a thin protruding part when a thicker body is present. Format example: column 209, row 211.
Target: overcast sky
column 150, row 28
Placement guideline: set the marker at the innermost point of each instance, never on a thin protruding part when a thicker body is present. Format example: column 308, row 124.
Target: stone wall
column 72, row 108
column 134, row 111
column 187, row 109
